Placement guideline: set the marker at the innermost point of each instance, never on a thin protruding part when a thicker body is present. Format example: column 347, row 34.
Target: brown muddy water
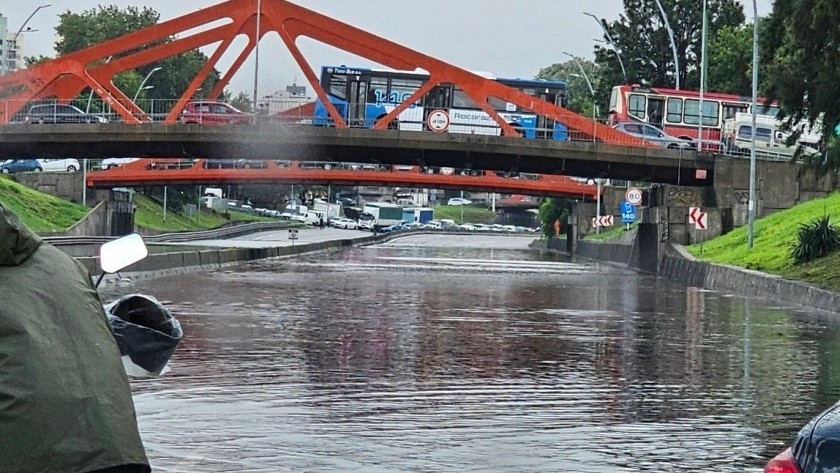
column 475, row 354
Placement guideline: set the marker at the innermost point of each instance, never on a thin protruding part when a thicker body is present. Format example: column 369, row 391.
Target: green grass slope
column 774, row 237
column 42, row 213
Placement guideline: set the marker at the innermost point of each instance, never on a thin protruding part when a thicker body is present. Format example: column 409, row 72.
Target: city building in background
column 11, row 50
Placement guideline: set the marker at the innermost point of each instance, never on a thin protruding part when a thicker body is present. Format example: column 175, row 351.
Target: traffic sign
column 438, row 120
column 634, row 196
column 293, row 234
column 602, row 221
column 702, row 221
column 693, row 213
column 628, row 212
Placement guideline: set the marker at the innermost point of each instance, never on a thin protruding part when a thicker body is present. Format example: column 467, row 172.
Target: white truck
column 327, row 210
column 377, row 215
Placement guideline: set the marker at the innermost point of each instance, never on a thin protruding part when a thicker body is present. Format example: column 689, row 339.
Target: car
column 212, row 112
column 654, row 135
column 60, row 165
column 816, row 448
column 109, row 163
column 11, row 166
column 458, row 201
column 51, row 113
column 234, row 164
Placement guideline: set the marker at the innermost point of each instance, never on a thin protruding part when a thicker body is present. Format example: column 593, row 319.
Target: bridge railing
column 295, row 111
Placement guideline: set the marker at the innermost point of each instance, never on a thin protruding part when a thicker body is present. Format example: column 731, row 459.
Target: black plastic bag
column 146, row 333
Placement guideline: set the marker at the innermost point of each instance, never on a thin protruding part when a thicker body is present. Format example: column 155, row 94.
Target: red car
column 210, row 112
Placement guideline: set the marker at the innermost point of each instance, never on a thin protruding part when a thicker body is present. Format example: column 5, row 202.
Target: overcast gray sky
column 481, row 35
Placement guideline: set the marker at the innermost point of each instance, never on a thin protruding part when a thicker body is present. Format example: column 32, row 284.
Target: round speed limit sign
column 633, row 196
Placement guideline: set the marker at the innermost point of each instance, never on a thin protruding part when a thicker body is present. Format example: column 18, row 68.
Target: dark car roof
column 817, row 446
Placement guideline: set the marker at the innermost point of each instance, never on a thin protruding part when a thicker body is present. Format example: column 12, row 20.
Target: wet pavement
column 473, row 353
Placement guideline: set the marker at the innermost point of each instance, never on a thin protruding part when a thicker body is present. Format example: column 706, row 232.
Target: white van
column 770, row 141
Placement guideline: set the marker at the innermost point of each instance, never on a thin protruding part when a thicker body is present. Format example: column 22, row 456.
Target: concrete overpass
column 309, row 143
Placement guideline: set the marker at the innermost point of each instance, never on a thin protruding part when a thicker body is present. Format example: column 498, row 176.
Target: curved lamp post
column 611, row 43
column 143, row 84
column 7, row 44
column 591, row 90
column 751, row 215
column 673, row 44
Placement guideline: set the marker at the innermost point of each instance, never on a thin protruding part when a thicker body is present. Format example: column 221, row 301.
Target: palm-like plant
column 815, row 240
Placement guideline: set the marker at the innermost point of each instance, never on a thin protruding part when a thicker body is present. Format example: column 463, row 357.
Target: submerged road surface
column 445, row 353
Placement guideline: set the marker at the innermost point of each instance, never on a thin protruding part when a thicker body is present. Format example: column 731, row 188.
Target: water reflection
column 432, row 354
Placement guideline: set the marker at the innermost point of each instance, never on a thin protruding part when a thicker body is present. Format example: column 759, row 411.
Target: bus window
column 729, row 110
column 614, row 98
column 500, row 105
column 711, row 112
column 379, row 90
column 338, row 86
column 460, row 99
column 402, row 89
column 638, row 105
column 439, row 97
column 675, row 111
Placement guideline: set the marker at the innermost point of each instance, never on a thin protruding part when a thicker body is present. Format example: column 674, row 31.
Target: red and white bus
column 677, row 112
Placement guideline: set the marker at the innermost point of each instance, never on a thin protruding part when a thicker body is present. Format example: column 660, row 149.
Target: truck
column 377, row 215
column 294, row 212
column 327, row 210
column 418, row 214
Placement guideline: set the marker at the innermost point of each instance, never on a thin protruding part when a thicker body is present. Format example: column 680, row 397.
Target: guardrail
column 180, row 237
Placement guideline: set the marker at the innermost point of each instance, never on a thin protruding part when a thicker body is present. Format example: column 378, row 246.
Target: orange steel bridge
column 218, row 26
column 173, row 172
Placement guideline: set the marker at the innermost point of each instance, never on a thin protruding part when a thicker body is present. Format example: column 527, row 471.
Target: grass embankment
column 42, row 213
column 471, row 214
column 774, row 237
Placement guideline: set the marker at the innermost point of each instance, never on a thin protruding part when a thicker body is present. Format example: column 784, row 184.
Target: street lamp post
column 702, row 81
column 256, row 60
column 673, row 44
column 591, row 91
column 611, row 43
column 143, row 84
column 751, row 215
column 7, row 44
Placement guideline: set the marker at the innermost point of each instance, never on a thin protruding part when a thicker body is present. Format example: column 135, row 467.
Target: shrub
column 815, row 240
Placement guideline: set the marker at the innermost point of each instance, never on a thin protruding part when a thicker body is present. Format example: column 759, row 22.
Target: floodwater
column 475, row 354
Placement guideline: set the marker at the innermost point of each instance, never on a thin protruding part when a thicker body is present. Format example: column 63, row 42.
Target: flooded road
column 455, row 353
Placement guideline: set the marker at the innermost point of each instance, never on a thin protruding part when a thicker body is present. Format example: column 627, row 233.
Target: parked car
column 60, row 165
column 816, row 448
column 59, row 113
column 11, row 166
column 654, row 135
column 109, row 163
column 211, row 112
column 458, row 201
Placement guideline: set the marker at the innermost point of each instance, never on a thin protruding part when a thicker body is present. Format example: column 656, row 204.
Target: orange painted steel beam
column 146, row 172
column 67, row 75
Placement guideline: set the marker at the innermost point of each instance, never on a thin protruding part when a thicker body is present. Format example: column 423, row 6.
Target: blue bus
column 363, row 96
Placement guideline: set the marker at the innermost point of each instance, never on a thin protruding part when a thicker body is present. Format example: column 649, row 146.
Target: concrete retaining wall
column 678, row 265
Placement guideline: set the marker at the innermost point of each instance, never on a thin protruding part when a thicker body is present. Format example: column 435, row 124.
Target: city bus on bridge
column 362, row 96
column 677, row 112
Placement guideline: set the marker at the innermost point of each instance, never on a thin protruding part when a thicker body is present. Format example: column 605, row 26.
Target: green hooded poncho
column 65, row 401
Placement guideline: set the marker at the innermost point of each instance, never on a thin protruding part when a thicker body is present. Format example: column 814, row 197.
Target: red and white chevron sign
column 602, row 221
column 699, row 218
column 693, row 213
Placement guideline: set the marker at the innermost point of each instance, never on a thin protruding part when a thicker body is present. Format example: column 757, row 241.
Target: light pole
column 591, row 90
column 751, row 215
column 702, row 81
column 673, row 44
column 142, row 84
column 7, row 44
column 256, row 61
column 611, row 43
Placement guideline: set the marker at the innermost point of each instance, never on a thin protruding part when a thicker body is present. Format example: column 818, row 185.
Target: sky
column 479, row 35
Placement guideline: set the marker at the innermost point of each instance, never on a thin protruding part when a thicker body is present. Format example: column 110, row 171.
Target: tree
column 579, row 97
column 642, row 39
column 730, row 60
column 803, row 62
column 552, row 209
column 81, row 30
